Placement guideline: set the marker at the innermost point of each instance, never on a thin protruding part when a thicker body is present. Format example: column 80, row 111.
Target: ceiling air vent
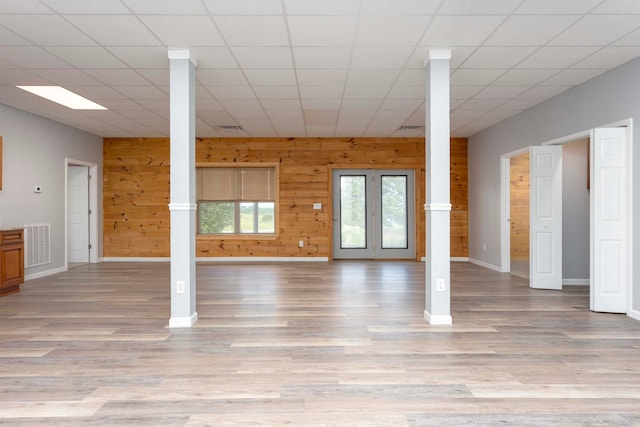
column 229, row 128
column 410, row 128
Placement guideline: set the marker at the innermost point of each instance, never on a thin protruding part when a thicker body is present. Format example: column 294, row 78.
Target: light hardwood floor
column 311, row 344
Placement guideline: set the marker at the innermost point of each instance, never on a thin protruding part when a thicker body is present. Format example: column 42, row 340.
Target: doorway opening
column 81, row 208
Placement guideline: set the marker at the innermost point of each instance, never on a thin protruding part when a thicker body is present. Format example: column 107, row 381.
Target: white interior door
column 545, row 271
column 78, row 213
column 609, row 222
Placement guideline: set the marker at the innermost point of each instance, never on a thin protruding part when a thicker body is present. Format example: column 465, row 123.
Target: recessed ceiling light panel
column 63, row 96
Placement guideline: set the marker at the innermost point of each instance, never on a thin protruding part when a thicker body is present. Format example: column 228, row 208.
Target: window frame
column 237, row 202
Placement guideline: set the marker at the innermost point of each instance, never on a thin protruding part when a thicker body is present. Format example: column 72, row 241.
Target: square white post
column 182, row 187
column 438, row 206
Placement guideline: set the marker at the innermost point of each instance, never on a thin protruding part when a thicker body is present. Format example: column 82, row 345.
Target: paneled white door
column 545, row 270
column 78, row 213
column 609, row 222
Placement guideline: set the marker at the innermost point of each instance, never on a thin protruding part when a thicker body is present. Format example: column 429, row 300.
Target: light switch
column 317, row 206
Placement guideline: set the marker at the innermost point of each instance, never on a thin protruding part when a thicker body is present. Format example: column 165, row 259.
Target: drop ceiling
column 315, row 68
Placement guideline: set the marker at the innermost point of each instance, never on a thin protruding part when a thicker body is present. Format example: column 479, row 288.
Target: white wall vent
column 37, row 248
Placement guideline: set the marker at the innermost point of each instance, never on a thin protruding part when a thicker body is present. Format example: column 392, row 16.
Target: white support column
column 182, row 206
column 438, row 206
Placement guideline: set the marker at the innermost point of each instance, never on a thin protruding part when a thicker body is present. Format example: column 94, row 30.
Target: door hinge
column 89, row 211
column 89, row 245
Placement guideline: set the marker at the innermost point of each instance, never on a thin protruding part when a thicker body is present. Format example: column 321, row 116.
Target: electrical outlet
column 180, row 287
column 440, row 285
column 301, row 244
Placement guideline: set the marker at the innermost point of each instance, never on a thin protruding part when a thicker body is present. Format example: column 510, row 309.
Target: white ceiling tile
column 324, row 7
column 123, row 77
column 556, row 57
column 464, row 92
column 557, row 7
column 312, row 30
column 247, row 114
column 609, row 57
column 31, row 57
column 23, row 6
column 417, row 118
column 366, row 92
column 320, row 117
column 208, row 104
column 412, row 77
column 321, row 92
column 481, row 104
column 498, row 57
column 98, row 93
column 9, row 38
column 123, row 104
column 87, row 57
column 321, row 104
column 180, row 31
column 407, row 92
column 362, row 104
column 466, row 76
column 403, row 104
column 37, row 29
column 65, row 77
column 597, row 30
column 15, row 77
column 159, row 77
column 332, row 77
column 572, row 77
column 325, row 131
column 266, row 77
column 363, row 116
column 475, row 7
column 381, row 57
column 519, row 104
column 86, row 7
column 141, row 57
column 240, row 104
column 618, row 7
column 543, row 92
column 166, row 7
column 291, row 131
column 130, row 31
column 276, row 92
column 501, row 92
column 468, row 114
column 232, row 92
column 390, row 30
column 530, row 30
column 231, row 77
column 399, row 7
column 286, row 114
column 244, row 7
column 142, row 92
column 288, row 122
column 369, row 77
column 447, row 30
column 631, row 39
column 263, row 57
column 213, row 57
column 322, row 57
column 524, row 77
column 284, row 104
column 421, row 54
column 253, row 30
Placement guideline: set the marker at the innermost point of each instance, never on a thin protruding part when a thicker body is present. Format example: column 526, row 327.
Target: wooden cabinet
column 11, row 260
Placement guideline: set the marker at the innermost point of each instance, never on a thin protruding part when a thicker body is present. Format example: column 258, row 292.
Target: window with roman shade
column 234, row 200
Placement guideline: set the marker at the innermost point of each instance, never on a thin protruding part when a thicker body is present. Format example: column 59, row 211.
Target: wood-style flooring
column 311, row 344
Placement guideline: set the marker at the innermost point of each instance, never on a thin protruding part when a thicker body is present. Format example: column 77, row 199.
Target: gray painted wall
column 575, row 211
column 606, row 99
column 34, row 152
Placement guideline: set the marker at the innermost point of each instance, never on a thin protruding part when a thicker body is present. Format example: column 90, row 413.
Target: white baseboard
column 634, row 314
column 40, row 274
column 575, row 282
column 183, row 322
column 452, row 259
column 437, row 319
column 485, row 265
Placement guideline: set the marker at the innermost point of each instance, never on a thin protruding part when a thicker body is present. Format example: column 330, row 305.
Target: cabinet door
column 12, row 265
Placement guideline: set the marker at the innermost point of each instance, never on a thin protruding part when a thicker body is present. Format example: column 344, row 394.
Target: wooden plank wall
column 519, row 198
column 136, row 191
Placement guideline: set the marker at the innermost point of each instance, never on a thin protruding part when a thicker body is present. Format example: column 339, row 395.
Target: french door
column 373, row 214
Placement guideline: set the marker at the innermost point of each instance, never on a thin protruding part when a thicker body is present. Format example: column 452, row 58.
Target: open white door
column 545, row 270
column 609, row 222
column 78, row 213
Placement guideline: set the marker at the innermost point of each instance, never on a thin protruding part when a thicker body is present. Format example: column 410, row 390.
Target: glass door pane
column 394, row 212
column 353, row 212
